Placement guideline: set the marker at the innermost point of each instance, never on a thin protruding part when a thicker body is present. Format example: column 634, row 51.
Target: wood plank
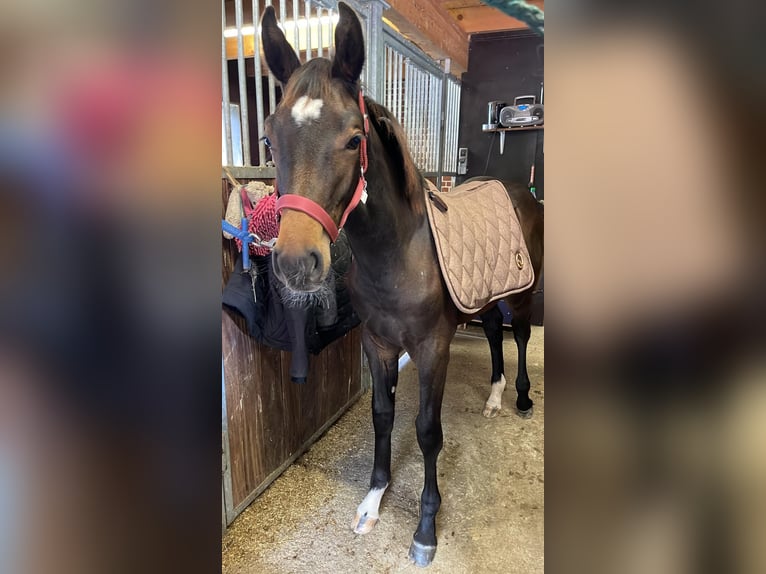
column 272, row 443
column 337, row 364
column 239, row 377
column 430, row 26
column 477, row 19
column 454, row 4
column 248, row 43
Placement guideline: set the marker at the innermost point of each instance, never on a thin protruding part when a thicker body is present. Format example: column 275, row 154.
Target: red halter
column 316, row 211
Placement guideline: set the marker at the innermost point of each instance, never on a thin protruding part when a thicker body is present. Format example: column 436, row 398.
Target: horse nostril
column 306, row 267
column 314, row 266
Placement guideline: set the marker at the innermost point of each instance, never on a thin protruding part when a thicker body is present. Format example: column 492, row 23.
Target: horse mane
column 391, row 133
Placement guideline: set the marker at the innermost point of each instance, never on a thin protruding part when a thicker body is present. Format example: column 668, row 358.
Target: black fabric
column 297, row 321
column 267, row 319
column 263, row 312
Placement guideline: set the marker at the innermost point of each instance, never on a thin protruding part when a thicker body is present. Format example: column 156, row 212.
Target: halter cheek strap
column 316, row 211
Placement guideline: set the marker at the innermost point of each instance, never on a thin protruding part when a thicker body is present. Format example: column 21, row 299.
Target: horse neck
column 385, row 225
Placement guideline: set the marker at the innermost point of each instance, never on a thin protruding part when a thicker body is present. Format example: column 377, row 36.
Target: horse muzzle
column 303, row 272
column 301, row 255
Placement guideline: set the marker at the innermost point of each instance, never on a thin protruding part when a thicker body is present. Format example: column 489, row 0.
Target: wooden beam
column 485, row 19
column 427, row 24
column 453, row 4
column 474, row 17
column 249, row 45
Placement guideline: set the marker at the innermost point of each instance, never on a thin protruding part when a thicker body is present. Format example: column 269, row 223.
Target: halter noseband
column 316, row 211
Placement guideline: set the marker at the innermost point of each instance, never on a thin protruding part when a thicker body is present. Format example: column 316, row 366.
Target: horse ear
column 349, row 46
column 280, row 55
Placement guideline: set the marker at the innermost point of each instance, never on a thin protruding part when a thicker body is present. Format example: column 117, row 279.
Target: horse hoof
column 490, row 412
column 527, row 414
column 363, row 523
column 422, row 555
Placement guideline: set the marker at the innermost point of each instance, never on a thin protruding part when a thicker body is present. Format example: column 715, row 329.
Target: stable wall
column 501, row 66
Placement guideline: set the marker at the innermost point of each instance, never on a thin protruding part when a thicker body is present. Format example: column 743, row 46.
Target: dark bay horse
column 342, row 161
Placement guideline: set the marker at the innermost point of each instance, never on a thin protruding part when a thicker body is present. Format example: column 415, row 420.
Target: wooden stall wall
column 270, row 419
column 501, row 66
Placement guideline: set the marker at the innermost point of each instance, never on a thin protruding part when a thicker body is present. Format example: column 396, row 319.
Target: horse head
column 317, row 136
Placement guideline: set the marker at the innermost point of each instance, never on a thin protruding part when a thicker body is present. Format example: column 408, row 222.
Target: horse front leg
column 384, row 366
column 432, row 371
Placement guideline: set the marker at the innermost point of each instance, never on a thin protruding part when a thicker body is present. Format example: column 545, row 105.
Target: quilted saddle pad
column 479, row 242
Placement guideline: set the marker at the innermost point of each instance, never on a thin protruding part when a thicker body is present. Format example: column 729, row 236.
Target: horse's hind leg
column 492, row 323
column 384, row 366
column 522, row 312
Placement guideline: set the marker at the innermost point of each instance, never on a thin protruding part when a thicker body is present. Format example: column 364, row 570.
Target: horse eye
column 266, row 141
column 354, row 142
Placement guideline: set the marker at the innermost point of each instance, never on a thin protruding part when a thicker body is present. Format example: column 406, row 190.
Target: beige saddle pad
column 481, row 248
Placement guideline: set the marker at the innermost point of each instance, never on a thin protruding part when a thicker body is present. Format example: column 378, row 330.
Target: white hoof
column 490, row 412
column 367, row 513
column 494, row 403
column 363, row 524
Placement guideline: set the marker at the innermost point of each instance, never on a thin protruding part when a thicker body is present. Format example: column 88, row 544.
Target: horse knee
column 383, row 420
column 430, row 436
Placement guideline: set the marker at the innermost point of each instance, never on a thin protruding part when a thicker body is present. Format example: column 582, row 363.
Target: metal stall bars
column 309, row 26
column 451, row 125
column 420, row 94
column 426, row 101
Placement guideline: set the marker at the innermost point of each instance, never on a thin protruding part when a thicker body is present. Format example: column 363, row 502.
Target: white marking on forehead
column 306, row 109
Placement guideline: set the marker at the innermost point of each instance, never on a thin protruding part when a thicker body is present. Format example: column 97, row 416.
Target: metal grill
column 426, row 101
column 451, row 125
column 421, row 95
column 309, row 28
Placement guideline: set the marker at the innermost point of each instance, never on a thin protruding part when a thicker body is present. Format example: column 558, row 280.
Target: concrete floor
column 490, row 477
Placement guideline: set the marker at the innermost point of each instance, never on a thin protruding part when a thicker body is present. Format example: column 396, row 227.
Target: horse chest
column 398, row 306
